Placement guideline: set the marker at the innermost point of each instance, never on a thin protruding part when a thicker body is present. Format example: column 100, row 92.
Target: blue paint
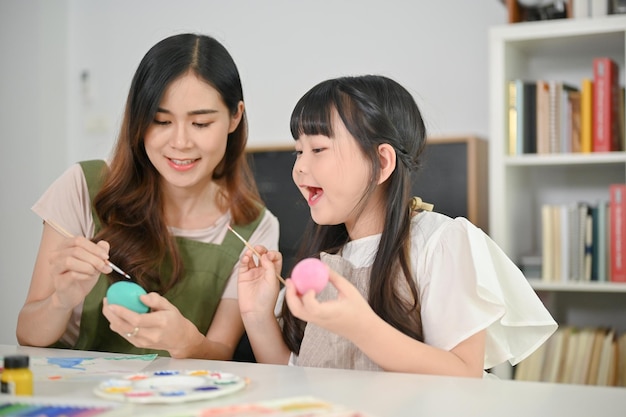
column 165, row 373
column 177, row 393
column 206, row 388
column 68, row 363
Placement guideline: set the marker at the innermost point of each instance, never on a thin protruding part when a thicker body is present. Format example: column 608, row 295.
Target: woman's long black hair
column 129, row 204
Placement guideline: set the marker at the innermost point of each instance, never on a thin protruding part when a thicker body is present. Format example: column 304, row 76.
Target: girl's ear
column 387, row 156
column 236, row 118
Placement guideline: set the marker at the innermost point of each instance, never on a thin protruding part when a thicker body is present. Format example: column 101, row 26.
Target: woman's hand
column 66, row 270
column 75, row 265
column 163, row 328
column 257, row 284
column 347, row 315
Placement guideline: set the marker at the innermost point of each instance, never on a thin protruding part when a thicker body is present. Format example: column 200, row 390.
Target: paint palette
column 170, row 386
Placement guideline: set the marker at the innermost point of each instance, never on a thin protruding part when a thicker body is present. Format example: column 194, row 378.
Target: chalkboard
column 272, row 171
column 442, row 178
column 452, row 177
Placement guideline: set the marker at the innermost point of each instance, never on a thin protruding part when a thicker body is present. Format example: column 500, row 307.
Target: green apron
column 207, row 269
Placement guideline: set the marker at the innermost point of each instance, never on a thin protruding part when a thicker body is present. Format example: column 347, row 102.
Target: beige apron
column 197, row 296
column 323, row 349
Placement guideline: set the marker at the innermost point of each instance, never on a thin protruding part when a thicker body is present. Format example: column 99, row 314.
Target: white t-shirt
column 467, row 284
column 67, row 202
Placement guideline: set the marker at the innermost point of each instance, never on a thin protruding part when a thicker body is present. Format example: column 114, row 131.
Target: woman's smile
column 183, row 164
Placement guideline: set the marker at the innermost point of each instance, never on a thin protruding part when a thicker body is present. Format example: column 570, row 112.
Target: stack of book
column 585, row 242
column 553, row 116
column 587, row 356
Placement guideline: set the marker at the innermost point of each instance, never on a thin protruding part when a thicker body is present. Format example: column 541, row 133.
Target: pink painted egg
column 310, row 274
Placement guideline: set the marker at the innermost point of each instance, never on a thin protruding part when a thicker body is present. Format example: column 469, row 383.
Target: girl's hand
column 75, row 265
column 346, row 315
column 257, row 285
column 163, row 328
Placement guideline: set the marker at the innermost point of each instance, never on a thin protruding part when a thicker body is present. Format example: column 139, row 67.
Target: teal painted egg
column 126, row 294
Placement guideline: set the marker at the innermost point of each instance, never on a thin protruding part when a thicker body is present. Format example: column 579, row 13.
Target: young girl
column 160, row 210
column 410, row 290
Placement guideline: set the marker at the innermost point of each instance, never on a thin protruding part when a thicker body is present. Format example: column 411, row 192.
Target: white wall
column 437, row 49
column 33, row 135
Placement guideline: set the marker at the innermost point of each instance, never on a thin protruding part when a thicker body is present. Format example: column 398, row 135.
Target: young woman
column 160, row 210
column 410, row 290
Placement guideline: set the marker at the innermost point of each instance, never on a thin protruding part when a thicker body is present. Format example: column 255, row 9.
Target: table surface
column 377, row 394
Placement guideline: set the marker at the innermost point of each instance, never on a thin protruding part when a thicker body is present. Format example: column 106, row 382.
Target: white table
column 380, row 394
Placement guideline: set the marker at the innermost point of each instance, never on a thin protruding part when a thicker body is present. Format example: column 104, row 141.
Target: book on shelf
column 558, row 122
column 512, row 112
column 621, row 354
column 558, row 117
column 571, row 357
column 596, row 353
column 566, row 344
column 600, row 252
column 584, row 242
column 555, row 116
column 543, row 116
column 578, row 355
column 531, row 368
column 521, row 117
column 617, row 232
column 607, row 368
column 606, row 94
column 547, row 232
column 586, row 115
column 557, row 243
column 572, row 118
column 529, row 117
column 572, row 237
column 554, row 352
column 554, row 94
column 603, row 242
column 583, row 356
column 567, row 242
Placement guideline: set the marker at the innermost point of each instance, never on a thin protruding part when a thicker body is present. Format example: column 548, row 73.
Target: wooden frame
column 477, row 177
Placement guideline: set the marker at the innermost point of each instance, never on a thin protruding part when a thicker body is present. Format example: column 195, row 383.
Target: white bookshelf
column 519, row 185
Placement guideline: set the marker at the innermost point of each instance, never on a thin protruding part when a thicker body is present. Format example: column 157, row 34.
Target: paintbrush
column 65, row 233
column 249, row 246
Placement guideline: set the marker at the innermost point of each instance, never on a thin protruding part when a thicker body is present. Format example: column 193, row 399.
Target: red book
column 606, row 135
column 617, row 232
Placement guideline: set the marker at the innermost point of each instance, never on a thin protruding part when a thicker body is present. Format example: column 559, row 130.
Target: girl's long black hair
column 375, row 110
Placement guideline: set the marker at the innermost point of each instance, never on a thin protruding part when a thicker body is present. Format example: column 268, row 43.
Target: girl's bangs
column 313, row 116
